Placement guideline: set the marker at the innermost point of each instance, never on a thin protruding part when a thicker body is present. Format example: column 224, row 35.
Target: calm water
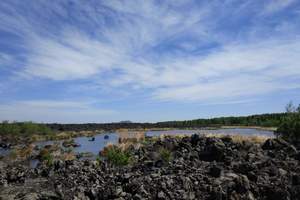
column 231, row 131
column 100, row 142
column 95, row 146
column 86, row 145
column 4, row 152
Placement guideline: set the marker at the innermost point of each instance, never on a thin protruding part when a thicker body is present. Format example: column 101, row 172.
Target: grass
column 242, row 138
column 26, row 151
column 33, row 132
column 116, row 155
column 46, row 156
column 254, row 127
column 68, row 156
column 21, row 153
column 253, row 139
column 54, row 152
column 13, row 154
column 130, row 136
column 163, row 136
column 24, row 129
column 165, row 154
column 98, row 161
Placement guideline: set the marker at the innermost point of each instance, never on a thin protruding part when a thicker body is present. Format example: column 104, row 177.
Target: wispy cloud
column 277, row 5
column 5, row 59
column 173, row 51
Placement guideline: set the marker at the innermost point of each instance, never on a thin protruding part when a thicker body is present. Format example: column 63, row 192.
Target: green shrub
column 9, row 128
column 46, row 156
column 117, row 156
column 13, row 154
column 24, row 128
column 290, row 128
column 98, row 161
column 28, row 128
column 165, row 154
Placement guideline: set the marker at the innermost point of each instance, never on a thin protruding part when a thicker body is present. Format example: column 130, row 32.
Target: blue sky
column 103, row 61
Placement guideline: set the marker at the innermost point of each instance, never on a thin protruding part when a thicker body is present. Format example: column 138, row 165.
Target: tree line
column 288, row 124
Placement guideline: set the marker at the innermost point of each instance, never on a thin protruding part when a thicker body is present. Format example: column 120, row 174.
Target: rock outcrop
column 199, row 168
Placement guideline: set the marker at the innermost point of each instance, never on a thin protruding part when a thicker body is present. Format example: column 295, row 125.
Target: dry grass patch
column 126, row 136
column 241, row 138
column 253, row 127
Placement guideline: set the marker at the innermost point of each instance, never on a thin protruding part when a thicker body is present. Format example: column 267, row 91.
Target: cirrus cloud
column 181, row 51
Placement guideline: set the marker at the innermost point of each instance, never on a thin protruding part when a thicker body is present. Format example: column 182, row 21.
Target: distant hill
column 126, row 121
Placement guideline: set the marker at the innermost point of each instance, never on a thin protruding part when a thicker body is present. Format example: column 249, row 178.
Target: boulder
column 213, row 151
column 215, row 171
column 276, row 144
column 195, row 138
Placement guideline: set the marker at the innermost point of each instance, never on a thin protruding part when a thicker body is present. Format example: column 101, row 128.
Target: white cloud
column 76, row 57
column 236, row 70
column 5, row 59
column 129, row 49
column 277, row 5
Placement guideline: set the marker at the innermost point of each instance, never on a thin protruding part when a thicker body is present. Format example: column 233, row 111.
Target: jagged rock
column 296, row 179
column 118, row 191
column 277, row 193
column 70, row 143
column 215, row 171
column 195, row 138
column 161, row 195
column 214, row 150
column 31, row 196
column 201, row 168
column 275, row 144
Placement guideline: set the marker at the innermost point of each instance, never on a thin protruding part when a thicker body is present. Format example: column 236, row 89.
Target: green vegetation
column 13, row 154
column 46, row 156
column 98, row 161
column 289, row 129
column 265, row 120
column 117, row 156
column 165, row 154
column 24, row 128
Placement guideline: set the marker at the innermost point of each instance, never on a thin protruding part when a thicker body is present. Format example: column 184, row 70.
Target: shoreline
column 263, row 128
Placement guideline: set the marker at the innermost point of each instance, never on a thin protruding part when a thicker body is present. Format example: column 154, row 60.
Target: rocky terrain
column 188, row 168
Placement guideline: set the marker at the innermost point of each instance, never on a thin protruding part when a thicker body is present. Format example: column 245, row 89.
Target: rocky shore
column 189, row 168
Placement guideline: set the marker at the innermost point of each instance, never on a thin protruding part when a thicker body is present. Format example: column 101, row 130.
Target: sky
column 76, row 61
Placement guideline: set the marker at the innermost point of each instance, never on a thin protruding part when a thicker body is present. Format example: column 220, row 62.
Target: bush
column 24, row 128
column 290, row 128
column 46, row 156
column 13, row 154
column 116, row 156
column 98, row 161
column 29, row 128
column 9, row 128
column 165, row 154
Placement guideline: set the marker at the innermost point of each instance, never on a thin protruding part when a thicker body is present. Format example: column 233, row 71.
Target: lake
column 101, row 140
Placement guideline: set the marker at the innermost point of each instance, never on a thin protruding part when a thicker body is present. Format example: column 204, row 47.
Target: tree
column 289, row 128
column 290, row 108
